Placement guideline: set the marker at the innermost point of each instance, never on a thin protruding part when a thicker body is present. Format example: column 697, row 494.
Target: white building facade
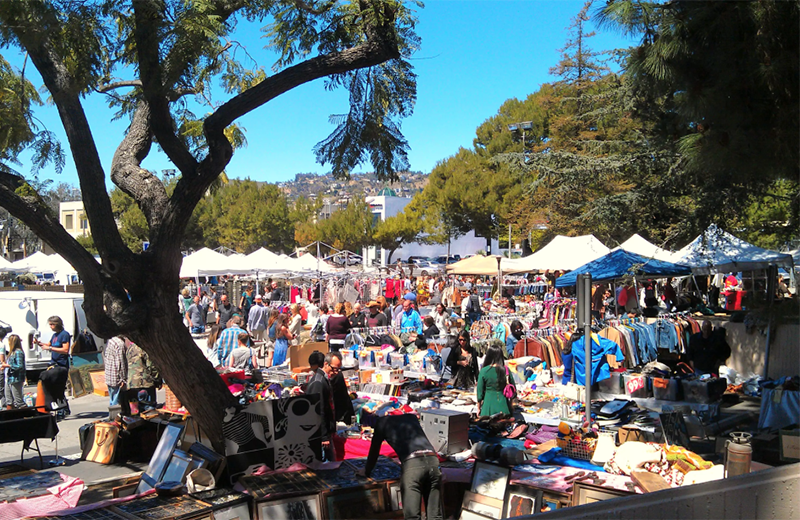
column 385, row 206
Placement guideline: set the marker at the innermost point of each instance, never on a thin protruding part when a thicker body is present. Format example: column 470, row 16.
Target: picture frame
column 76, row 383
column 583, row 493
column 394, row 490
column 490, row 480
column 466, row 514
column 549, row 503
column 483, row 505
column 304, row 507
column 161, row 457
column 365, row 502
column 522, row 501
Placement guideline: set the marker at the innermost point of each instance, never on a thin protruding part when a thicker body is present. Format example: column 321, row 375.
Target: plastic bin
column 636, row 385
column 665, row 389
column 613, row 385
column 707, row 391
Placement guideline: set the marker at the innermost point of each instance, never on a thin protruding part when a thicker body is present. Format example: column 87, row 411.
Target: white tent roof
column 206, row 262
column 308, row 262
column 53, row 264
column 263, row 256
column 641, row 246
column 563, row 253
column 717, row 251
column 29, row 262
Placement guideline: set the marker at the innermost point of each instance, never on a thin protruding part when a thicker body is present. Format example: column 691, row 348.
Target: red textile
column 358, row 448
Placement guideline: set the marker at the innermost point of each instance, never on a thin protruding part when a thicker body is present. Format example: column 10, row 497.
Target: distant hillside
column 312, row 184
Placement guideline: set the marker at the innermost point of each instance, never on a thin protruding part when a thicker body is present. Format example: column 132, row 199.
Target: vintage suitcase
column 448, row 430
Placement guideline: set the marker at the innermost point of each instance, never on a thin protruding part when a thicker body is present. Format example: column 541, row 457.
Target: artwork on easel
column 276, row 433
column 76, row 383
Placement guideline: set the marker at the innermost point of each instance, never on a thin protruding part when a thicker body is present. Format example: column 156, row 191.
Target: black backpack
column 474, row 303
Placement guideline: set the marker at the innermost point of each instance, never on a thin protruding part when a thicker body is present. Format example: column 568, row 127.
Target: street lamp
column 524, row 125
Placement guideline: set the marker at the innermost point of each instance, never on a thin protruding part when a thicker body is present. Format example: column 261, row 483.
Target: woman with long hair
column 295, row 323
column 282, row 338
column 492, row 381
column 272, row 324
column 463, row 362
column 16, row 373
column 211, row 345
column 386, row 309
column 439, row 315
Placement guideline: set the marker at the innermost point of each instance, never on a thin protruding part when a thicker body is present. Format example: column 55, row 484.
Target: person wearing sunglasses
column 328, row 366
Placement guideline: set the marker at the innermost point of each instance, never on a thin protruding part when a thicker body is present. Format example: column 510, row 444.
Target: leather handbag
column 106, row 435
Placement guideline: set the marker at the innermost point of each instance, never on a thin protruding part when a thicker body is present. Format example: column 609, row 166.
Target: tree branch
column 66, row 94
column 134, row 83
column 126, row 171
column 190, row 188
column 147, row 16
column 22, row 201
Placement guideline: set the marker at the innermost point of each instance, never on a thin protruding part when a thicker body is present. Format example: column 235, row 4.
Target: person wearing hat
column 375, row 318
column 257, row 319
column 410, row 320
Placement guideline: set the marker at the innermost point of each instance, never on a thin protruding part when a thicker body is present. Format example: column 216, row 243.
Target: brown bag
column 104, row 446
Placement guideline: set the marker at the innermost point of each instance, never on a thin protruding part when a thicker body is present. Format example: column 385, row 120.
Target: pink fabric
column 359, row 448
column 62, row 496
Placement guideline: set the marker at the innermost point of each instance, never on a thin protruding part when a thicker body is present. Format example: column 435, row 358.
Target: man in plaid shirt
column 116, row 361
column 228, row 340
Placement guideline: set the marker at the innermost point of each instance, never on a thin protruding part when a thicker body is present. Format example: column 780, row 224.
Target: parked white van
column 26, row 312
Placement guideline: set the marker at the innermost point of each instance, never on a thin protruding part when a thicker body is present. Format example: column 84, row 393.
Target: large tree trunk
column 200, row 389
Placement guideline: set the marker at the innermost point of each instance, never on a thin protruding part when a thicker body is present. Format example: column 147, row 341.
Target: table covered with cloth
column 26, row 425
column 779, row 408
column 358, row 448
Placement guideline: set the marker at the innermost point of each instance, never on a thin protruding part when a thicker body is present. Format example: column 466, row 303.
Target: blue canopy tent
column 620, row 263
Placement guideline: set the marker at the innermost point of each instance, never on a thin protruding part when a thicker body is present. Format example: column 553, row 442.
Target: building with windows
column 73, row 218
column 386, row 204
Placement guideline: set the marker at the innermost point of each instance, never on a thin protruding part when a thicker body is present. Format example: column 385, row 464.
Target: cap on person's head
column 258, row 296
column 410, row 297
column 373, row 303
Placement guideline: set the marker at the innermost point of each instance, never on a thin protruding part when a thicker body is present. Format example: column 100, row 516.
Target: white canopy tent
column 641, row 246
column 29, row 262
column 206, row 262
column 308, row 262
column 717, row 251
column 562, row 253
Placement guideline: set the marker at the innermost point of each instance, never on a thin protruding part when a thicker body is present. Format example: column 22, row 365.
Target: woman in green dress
column 491, row 382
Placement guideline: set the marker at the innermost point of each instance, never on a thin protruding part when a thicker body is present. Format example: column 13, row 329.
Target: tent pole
column 614, row 295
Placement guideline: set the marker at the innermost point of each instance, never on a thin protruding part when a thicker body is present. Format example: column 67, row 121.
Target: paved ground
column 84, row 409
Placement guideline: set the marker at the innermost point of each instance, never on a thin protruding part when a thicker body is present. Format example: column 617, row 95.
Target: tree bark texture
column 183, row 366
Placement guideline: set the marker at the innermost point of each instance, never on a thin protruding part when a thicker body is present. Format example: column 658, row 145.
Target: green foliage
column 350, row 228
column 403, row 228
column 131, row 222
column 18, row 127
column 246, row 215
column 719, row 81
column 88, row 243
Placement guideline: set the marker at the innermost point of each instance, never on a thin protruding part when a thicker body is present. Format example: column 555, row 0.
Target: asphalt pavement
column 86, row 409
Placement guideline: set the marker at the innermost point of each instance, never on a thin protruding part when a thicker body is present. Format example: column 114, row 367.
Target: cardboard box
column 298, row 355
column 365, row 376
column 391, row 377
column 790, row 445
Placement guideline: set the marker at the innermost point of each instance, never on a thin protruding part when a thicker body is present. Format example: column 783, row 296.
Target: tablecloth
column 358, row 448
column 780, row 414
column 62, row 496
column 26, row 425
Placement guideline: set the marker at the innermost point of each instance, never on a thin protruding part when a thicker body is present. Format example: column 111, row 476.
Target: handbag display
column 105, row 443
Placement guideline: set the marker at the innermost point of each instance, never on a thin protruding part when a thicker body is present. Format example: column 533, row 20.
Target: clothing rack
column 387, row 329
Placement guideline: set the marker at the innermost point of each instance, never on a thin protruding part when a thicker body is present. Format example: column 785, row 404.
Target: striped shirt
column 227, row 341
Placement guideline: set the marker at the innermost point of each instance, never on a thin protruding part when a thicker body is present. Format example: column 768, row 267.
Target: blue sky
column 475, row 55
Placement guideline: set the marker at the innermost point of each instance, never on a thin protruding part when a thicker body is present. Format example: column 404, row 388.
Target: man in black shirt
column 320, row 384
column 708, row 349
column 421, row 478
column 225, row 311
